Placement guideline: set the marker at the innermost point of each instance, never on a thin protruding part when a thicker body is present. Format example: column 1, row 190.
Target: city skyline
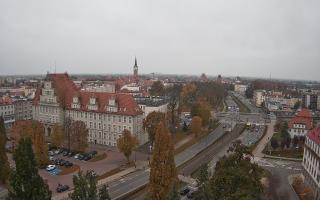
column 248, row 38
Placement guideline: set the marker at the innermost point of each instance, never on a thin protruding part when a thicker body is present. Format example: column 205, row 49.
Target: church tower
column 135, row 71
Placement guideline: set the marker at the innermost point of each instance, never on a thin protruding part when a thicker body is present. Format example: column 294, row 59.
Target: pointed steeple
column 135, row 61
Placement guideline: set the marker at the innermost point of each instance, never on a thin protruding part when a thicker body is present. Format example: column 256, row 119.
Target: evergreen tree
column 103, row 193
column 4, row 164
column 163, row 170
column 204, row 192
column 85, row 187
column 173, row 194
column 25, row 182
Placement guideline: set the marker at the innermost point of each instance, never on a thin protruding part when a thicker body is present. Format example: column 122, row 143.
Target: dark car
column 57, row 161
column 62, row 188
column 62, row 162
column 87, row 157
column 81, row 157
column 191, row 195
column 65, row 153
column 70, row 154
column 184, row 191
column 68, row 164
column 93, row 153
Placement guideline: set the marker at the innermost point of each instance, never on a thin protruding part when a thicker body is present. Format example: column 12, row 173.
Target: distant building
column 310, row 101
column 22, row 108
column 311, row 161
column 259, row 97
column 240, row 88
column 219, row 79
column 301, row 123
column 150, row 104
column 7, row 111
column 106, row 115
column 98, row 86
column 203, row 77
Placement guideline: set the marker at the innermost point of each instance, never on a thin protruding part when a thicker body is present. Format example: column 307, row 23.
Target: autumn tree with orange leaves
column 78, row 136
column 196, row 125
column 35, row 131
column 163, row 172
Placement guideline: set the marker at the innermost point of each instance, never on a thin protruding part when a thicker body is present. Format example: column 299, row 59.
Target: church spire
column 135, row 61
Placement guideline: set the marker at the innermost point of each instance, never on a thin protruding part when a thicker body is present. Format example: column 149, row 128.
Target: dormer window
column 47, row 85
column 75, row 100
column 92, row 100
column 112, row 102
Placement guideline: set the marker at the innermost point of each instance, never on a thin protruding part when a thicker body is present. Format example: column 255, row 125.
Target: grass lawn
column 277, row 136
column 179, row 136
column 98, row 157
column 69, row 170
column 287, row 153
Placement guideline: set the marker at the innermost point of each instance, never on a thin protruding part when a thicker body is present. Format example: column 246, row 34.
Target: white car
column 51, row 167
column 51, row 153
column 51, row 158
column 77, row 156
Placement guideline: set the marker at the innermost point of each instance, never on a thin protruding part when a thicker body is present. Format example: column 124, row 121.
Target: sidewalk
column 257, row 152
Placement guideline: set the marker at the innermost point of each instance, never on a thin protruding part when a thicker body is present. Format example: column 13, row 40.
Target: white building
column 240, row 88
column 106, row 115
column 311, row 161
column 7, row 111
column 151, row 104
column 259, row 97
column 301, row 123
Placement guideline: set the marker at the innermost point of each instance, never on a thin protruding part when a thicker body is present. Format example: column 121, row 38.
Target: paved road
column 210, row 153
column 257, row 152
column 138, row 179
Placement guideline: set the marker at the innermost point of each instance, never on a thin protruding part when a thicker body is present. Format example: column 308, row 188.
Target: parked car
column 58, row 151
column 68, row 164
column 51, row 158
column 65, row 153
column 185, row 191
column 76, row 156
column 50, row 167
column 70, row 154
column 50, row 153
column 87, row 157
column 81, row 157
column 62, row 188
column 62, row 162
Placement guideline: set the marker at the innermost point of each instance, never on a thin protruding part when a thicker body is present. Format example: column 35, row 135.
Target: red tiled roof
column 302, row 117
column 314, row 135
column 65, row 89
column 5, row 100
column 304, row 113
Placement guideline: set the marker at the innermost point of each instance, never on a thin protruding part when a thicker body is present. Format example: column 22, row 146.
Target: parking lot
column 113, row 160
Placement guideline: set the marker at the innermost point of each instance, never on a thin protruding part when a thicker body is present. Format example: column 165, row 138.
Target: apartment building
column 106, row 115
column 311, row 161
column 259, row 97
column 22, row 108
column 7, row 111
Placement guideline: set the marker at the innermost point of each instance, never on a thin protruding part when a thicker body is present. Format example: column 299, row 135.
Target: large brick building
column 311, row 161
column 106, row 115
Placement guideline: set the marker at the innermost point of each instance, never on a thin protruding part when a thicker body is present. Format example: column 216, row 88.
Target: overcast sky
column 228, row 37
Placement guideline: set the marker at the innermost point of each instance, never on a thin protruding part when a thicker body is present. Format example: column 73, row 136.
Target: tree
column 39, row 144
column 85, row 187
column 173, row 194
column 78, row 136
column 67, row 129
column 163, row 170
column 150, row 123
column 25, row 182
column 4, row 164
column 173, row 94
column 126, row 143
column 103, row 193
column 297, row 105
column 235, row 177
column 57, row 136
column 274, row 143
column 196, row 125
column 288, row 142
column 205, row 192
column 35, row 131
column 157, row 89
column 201, row 109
